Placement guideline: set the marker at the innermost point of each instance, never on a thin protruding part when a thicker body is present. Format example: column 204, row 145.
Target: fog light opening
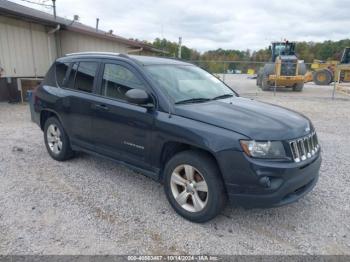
column 265, row 181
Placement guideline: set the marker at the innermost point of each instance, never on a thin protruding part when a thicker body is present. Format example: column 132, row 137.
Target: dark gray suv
column 179, row 125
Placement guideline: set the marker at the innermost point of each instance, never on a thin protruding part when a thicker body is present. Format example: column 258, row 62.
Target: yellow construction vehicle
column 284, row 70
column 342, row 72
column 325, row 71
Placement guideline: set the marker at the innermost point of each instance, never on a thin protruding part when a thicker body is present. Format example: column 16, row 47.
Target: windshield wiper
column 222, row 96
column 193, row 100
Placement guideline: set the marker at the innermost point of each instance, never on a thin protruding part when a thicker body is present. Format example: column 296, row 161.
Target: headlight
column 263, row 149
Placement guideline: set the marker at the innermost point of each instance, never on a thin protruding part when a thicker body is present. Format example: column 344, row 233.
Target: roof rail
column 124, row 55
column 95, row 53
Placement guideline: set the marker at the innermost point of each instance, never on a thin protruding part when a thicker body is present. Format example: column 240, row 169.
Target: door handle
column 101, row 107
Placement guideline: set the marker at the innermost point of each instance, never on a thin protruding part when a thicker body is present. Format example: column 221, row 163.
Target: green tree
column 213, row 60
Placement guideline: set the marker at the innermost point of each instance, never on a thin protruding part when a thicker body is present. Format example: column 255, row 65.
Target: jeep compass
column 181, row 126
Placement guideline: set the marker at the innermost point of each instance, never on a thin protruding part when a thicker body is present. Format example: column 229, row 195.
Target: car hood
column 257, row 120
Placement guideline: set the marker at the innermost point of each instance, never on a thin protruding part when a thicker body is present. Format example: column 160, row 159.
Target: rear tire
column 193, row 186
column 56, row 140
column 322, row 77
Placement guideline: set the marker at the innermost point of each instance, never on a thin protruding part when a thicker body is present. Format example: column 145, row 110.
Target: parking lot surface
column 90, row 205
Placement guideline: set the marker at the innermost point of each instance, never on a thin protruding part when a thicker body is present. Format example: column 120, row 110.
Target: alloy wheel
column 189, row 188
column 54, row 141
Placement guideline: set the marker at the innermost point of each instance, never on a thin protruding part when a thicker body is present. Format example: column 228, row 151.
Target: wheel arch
column 171, row 148
column 46, row 114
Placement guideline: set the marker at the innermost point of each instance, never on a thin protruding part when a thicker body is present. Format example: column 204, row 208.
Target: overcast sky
column 204, row 25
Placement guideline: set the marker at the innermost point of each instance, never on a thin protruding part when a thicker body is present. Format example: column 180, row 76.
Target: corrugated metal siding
column 27, row 50
column 75, row 42
column 42, row 57
column 24, row 50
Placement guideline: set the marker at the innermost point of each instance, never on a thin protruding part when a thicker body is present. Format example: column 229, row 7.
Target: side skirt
column 155, row 175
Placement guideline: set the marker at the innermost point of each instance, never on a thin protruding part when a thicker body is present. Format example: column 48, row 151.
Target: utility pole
column 54, row 8
column 97, row 21
column 179, row 52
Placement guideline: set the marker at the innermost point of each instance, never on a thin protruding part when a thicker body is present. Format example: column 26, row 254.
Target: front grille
column 288, row 68
column 305, row 147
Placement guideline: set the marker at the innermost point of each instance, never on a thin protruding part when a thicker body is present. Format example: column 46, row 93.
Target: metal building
column 30, row 40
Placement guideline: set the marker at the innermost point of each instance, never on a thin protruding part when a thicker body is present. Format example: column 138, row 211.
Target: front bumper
column 288, row 81
column 288, row 182
column 292, row 78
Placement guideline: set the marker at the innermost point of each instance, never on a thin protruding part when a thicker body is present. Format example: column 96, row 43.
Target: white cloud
column 228, row 24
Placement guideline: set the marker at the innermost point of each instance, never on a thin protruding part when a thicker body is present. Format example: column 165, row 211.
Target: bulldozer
column 325, row 72
column 284, row 68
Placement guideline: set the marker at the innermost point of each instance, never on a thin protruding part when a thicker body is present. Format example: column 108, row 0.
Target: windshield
column 283, row 49
column 280, row 48
column 188, row 83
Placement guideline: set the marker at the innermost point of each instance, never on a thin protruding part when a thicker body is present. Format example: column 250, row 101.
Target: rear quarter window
column 61, row 73
column 49, row 79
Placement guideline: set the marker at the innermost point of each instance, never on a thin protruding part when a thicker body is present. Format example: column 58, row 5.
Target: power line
column 36, row 3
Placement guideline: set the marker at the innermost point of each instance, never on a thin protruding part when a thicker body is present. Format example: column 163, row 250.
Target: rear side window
column 61, row 72
column 82, row 76
column 71, row 78
column 84, row 79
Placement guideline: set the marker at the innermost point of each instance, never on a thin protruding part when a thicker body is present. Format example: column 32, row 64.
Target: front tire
column 298, row 87
column 265, row 83
column 193, row 186
column 259, row 77
column 56, row 140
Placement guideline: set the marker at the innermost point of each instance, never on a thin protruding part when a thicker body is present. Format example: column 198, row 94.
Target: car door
column 122, row 130
column 77, row 100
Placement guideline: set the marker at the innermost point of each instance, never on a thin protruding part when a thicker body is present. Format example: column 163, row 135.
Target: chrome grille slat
column 308, row 144
column 304, row 147
column 312, row 145
column 303, row 151
column 295, row 151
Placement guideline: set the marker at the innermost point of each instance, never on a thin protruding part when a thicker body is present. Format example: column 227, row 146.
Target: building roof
column 18, row 11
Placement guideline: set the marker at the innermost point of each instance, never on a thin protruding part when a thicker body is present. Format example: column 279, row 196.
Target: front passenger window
column 117, row 80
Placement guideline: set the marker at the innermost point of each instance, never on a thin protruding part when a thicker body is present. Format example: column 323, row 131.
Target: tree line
column 307, row 51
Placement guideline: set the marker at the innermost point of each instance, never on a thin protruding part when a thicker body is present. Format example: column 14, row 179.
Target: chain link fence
column 235, row 67
column 242, row 73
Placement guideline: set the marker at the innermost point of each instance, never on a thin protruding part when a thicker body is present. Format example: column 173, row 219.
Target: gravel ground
column 90, row 205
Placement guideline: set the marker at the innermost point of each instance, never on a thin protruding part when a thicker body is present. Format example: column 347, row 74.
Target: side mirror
column 138, row 97
column 270, row 48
